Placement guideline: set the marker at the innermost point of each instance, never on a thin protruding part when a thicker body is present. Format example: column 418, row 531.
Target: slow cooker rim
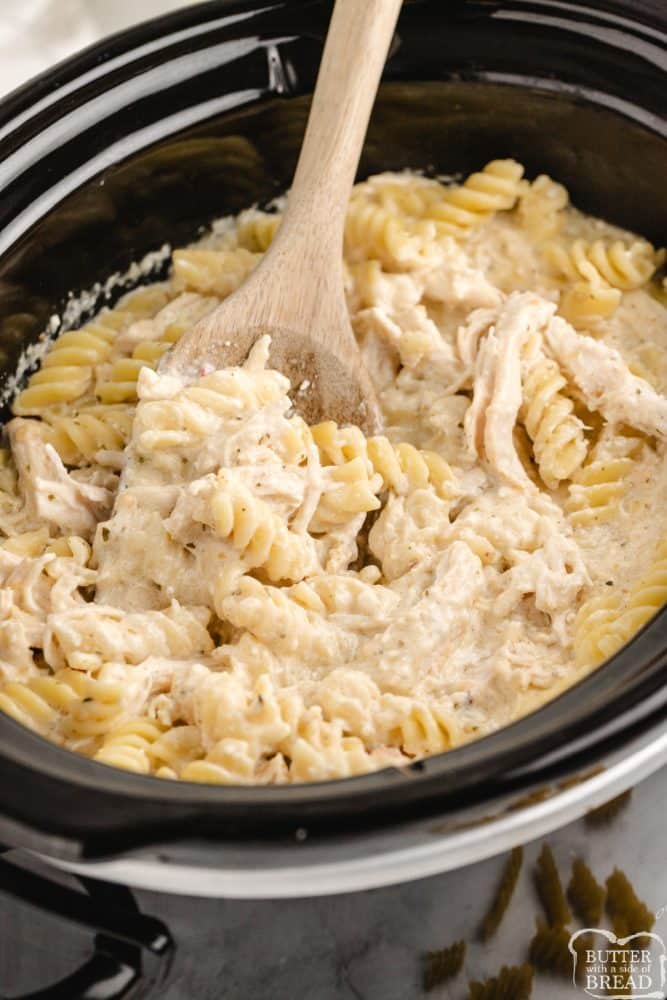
column 24, row 748
column 646, row 21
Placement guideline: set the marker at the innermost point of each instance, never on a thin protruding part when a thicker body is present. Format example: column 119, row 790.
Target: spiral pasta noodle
column 644, row 600
column 549, row 949
column 557, row 434
column 67, row 372
column 620, row 265
column 404, row 195
column 594, row 620
column 443, row 964
column 503, row 894
column 229, row 763
column 515, row 981
column 78, row 439
column 39, row 703
column 270, row 611
column 541, row 207
column 401, row 467
column 129, row 745
column 496, row 188
column 585, row 894
column 198, row 585
column 378, row 233
column 257, row 532
column 600, row 272
column 166, row 425
column 550, row 889
column 418, row 730
column 174, row 748
column 602, row 481
column 213, row 272
column 628, row 914
column 352, row 492
column 119, row 384
column 319, row 750
column 95, row 714
column 584, row 303
column 606, row 623
column 256, row 230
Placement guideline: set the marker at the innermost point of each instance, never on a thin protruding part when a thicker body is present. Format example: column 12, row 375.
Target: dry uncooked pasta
column 585, row 894
column 515, row 981
column 444, row 964
column 628, row 914
column 549, row 949
column 503, row 894
column 196, row 584
column 550, row 889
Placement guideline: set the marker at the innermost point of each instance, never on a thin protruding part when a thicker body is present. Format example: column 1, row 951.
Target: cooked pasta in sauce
column 266, row 602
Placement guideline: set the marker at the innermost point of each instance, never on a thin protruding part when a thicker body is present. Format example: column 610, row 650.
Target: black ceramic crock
column 144, row 139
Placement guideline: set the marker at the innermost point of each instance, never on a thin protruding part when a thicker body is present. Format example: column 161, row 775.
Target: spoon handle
column 354, row 55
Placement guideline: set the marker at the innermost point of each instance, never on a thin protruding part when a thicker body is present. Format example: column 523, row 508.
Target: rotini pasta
column 230, row 763
column 174, row 748
column 496, row 188
column 444, row 964
column 401, row 467
column 213, row 272
column 514, row 981
column 95, row 433
column 605, row 623
column 600, row 271
column 418, row 730
column 376, row 232
column 628, row 914
column 198, row 585
column 550, row 889
column 68, row 369
column 402, row 194
column 585, row 894
column 608, row 811
column 584, row 304
column 256, row 230
column 503, row 894
column 557, row 434
column 89, row 718
column 541, row 207
column 549, row 949
column 258, row 532
column 620, row 265
column 129, row 746
column 39, row 703
column 599, row 486
column 271, row 612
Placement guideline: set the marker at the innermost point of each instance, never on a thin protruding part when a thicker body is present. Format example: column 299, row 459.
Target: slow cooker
column 138, row 143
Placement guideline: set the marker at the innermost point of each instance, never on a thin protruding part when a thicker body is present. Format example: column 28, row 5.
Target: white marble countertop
column 35, row 34
column 367, row 946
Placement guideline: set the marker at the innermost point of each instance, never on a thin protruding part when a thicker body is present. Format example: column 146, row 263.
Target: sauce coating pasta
column 261, row 601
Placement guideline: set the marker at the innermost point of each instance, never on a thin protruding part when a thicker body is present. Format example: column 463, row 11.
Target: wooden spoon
column 296, row 293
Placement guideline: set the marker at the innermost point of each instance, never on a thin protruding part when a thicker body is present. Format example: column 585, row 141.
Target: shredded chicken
column 605, row 380
column 49, row 493
column 497, row 393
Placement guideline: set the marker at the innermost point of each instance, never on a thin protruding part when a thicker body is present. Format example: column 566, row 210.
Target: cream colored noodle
column 196, row 584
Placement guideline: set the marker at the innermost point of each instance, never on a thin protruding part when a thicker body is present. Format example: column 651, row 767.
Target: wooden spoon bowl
column 296, row 295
